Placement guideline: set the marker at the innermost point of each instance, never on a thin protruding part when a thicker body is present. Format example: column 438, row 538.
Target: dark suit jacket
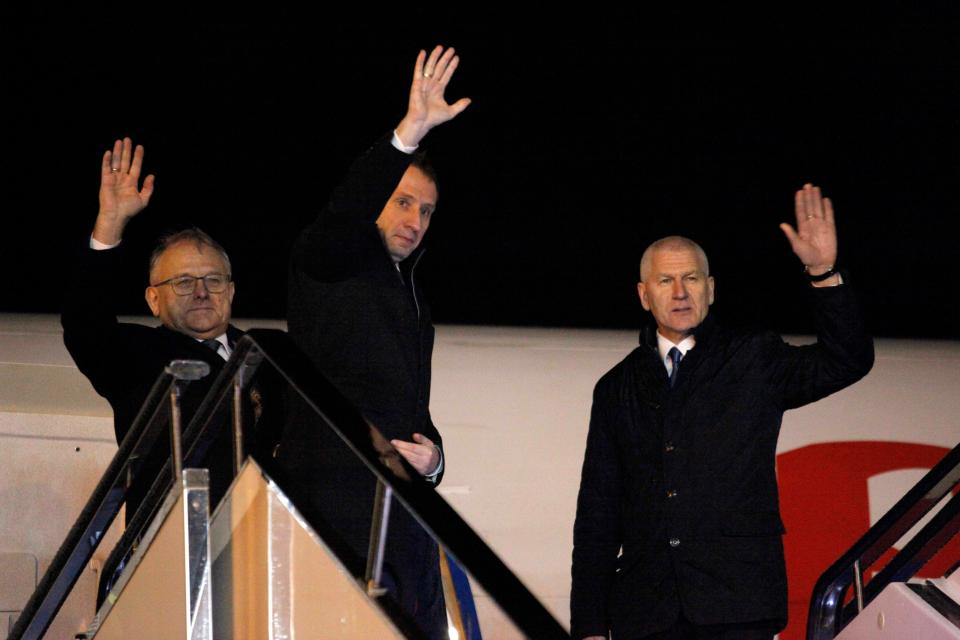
column 123, row 360
column 684, row 481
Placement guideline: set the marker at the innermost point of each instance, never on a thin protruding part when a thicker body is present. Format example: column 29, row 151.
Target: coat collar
column 703, row 333
column 408, row 264
column 233, row 334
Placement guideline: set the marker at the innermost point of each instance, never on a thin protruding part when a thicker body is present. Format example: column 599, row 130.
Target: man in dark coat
column 678, row 530
column 357, row 311
column 190, row 291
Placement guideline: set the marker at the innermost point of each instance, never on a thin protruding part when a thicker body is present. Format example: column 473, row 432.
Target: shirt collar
column 664, row 345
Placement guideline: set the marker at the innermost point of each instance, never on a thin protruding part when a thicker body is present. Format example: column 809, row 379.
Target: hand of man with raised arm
column 815, row 238
column 427, row 106
column 121, row 196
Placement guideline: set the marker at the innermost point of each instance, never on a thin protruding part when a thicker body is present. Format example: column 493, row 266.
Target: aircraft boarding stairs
column 867, row 594
column 262, row 563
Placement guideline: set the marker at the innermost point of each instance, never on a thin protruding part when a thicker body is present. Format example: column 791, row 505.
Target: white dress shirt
column 664, row 346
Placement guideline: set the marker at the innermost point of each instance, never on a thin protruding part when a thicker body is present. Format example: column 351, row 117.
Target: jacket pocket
column 752, row 523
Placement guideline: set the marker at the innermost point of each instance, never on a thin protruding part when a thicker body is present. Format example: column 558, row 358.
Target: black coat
column 123, row 360
column 363, row 323
column 366, row 326
column 684, row 479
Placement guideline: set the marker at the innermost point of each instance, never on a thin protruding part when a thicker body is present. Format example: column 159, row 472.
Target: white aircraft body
column 513, row 406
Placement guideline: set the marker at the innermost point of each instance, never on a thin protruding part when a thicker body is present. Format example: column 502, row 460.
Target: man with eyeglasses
column 190, row 290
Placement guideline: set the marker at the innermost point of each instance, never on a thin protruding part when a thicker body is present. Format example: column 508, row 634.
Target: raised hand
column 427, row 106
column 121, row 196
column 815, row 238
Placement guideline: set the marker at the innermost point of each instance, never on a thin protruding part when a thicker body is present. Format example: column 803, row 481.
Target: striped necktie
column 213, row 344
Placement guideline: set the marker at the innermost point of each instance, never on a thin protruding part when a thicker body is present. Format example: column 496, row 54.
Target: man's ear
column 642, row 292
column 153, row 300
column 710, row 287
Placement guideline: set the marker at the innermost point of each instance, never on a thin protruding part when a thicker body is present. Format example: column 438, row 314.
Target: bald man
column 678, row 530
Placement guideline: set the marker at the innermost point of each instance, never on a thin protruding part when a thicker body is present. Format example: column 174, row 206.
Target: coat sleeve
column 431, row 431
column 597, row 532
column 117, row 358
column 344, row 239
column 90, row 327
column 842, row 354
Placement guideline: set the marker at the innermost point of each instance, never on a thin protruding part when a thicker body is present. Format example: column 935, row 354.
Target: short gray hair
column 192, row 234
column 673, row 243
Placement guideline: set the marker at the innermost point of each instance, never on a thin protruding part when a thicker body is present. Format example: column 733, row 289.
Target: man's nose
column 679, row 289
column 200, row 288
column 412, row 220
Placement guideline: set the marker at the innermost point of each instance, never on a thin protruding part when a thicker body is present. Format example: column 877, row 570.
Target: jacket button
column 668, row 447
column 674, row 542
column 672, row 493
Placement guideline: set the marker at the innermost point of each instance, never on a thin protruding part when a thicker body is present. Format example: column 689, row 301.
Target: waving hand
column 815, row 238
column 121, row 196
column 427, row 106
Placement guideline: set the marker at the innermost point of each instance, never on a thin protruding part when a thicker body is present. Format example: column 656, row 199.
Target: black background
column 590, row 135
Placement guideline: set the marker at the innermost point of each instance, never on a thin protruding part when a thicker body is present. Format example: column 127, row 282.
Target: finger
column 810, row 204
column 792, row 236
column 800, row 206
column 422, row 439
column 817, row 202
column 405, row 447
column 137, row 161
column 409, row 457
column 105, row 163
column 448, row 70
column 457, row 107
column 807, row 204
column 431, row 64
column 418, row 66
column 411, row 451
column 399, row 444
column 828, row 210
column 116, row 155
column 443, row 64
column 125, row 155
column 420, row 452
column 147, row 189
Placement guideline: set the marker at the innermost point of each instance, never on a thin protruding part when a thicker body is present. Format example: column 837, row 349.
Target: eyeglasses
column 185, row 285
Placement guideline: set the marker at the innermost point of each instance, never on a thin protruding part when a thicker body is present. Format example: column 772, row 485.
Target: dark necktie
column 213, row 344
column 675, row 356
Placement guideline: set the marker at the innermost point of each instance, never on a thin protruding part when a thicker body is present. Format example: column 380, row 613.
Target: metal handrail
column 98, row 514
column 198, row 437
column 828, row 614
column 389, row 468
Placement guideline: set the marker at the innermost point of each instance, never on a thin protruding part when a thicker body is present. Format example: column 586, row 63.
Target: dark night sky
column 587, row 139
